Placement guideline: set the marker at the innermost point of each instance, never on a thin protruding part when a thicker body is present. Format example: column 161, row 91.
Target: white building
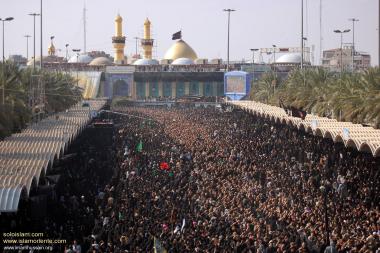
column 333, row 58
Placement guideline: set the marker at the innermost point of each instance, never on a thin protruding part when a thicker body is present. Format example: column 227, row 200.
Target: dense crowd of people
column 208, row 180
column 202, row 180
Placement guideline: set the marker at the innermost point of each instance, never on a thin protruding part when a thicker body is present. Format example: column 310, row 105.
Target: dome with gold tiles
column 180, row 49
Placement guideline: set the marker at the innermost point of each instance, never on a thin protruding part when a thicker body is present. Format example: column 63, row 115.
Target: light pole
column 302, row 60
column 27, row 45
column 302, row 34
column 304, row 40
column 275, row 69
column 67, row 52
column 341, row 47
column 353, row 41
column 34, row 38
column 228, row 38
column 77, row 52
column 3, row 65
column 41, row 35
column 136, row 38
column 4, row 20
column 253, row 63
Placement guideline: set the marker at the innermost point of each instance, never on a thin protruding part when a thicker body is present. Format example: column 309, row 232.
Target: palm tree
column 265, row 88
column 307, row 89
column 14, row 112
column 60, row 91
column 351, row 97
column 369, row 83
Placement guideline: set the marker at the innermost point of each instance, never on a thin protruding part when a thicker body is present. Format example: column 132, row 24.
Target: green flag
column 139, row 146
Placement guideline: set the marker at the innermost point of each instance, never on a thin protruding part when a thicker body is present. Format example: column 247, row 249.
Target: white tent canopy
column 25, row 156
column 366, row 139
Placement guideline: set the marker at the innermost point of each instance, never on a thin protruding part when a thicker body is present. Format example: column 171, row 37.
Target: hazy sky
column 255, row 24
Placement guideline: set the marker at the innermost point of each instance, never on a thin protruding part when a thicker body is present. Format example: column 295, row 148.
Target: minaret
column 147, row 42
column 118, row 41
column 51, row 48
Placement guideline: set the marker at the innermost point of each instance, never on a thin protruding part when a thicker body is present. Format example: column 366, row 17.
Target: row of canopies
column 364, row 139
column 25, row 157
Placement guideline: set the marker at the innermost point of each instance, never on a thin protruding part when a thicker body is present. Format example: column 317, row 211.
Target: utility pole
column 228, row 38
column 77, row 52
column 253, row 63
column 41, row 60
column 353, row 42
column 136, row 38
column 341, row 48
column 27, row 46
column 320, row 33
column 84, row 28
column 67, row 52
column 3, row 63
column 5, row 20
column 301, row 34
column 34, row 39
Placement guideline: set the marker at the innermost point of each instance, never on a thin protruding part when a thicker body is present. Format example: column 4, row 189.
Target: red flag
column 164, row 166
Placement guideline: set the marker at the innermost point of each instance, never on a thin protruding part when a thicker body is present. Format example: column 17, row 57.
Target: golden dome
column 180, row 49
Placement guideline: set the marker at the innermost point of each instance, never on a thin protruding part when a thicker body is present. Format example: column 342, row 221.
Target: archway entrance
column 120, row 88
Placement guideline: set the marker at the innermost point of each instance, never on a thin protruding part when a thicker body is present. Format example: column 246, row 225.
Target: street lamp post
column 302, row 60
column 302, row 34
column 67, row 52
column 228, row 38
column 275, row 69
column 304, row 41
column 77, row 52
column 27, row 45
column 3, row 66
column 253, row 63
column 353, row 41
column 34, row 38
column 136, row 38
column 341, row 47
column 4, row 20
column 41, row 60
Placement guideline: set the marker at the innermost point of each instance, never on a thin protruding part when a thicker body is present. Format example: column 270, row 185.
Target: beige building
column 333, row 58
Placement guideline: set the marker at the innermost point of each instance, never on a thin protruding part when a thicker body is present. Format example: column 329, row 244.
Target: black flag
column 298, row 113
column 177, row 35
column 295, row 112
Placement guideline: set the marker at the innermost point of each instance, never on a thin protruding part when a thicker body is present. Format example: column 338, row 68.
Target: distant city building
column 332, row 58
column 18, row 59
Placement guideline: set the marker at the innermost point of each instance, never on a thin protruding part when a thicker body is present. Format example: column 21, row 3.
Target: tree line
column 16, row 111
column 347, row 96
